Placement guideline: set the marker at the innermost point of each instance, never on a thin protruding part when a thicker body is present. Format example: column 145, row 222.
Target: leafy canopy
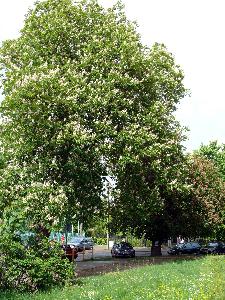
column 216, row 153
column 84, row 98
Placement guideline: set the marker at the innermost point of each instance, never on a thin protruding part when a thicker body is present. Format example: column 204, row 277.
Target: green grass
column 201, row 279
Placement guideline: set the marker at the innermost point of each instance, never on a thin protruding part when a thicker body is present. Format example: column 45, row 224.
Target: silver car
column 81, row 243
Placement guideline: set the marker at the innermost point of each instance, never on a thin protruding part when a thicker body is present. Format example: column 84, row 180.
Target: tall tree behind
column 205, row 205
column 216, row 153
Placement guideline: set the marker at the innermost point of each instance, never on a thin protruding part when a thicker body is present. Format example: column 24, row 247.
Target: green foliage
column 215, row 153
column 136, row 242
column 34, row 266
column 84, row 98
column 206, row 201
column 100, row 240
column 150, row 203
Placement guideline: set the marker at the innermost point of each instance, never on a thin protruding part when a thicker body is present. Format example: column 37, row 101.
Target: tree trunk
column 43, row 230
column 156, row 248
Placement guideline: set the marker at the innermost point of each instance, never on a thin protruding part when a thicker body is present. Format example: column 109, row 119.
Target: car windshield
column 125, row 245
column 75, row 240
column 179, row 246
column 211, row 245
column 195, row 245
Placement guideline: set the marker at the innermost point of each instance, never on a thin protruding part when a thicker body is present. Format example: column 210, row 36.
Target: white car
column 81, row 243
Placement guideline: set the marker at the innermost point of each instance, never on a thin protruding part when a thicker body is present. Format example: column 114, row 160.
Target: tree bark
column 43, row 230
column 156, row 248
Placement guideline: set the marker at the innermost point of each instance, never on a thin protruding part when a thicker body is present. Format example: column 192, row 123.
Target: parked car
column 185, row 248
column 122, row 249
column 81, row 243
column 70, row 252
column 213, row 248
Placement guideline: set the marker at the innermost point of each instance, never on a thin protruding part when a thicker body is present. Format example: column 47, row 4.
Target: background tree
column 215, row 153
column 206, row 203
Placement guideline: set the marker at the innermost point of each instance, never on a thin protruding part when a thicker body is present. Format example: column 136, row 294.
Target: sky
column 193, row 30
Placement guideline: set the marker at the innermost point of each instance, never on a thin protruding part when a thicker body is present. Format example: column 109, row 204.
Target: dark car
column 213, row 248
column 122, row 249
column 185, row 248
column 70, row 252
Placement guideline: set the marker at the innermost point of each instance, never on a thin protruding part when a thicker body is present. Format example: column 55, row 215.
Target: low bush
column 38, row 265
column 100, row 240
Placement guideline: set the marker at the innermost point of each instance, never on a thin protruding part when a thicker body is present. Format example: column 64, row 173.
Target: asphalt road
column 100, row 260
column 101, row 252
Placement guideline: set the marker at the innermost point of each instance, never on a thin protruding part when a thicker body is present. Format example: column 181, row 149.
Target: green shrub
column 100, row 240
column 38, row 265
column 135, row 242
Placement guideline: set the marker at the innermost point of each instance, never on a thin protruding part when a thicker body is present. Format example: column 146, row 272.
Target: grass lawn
column 201, row 279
